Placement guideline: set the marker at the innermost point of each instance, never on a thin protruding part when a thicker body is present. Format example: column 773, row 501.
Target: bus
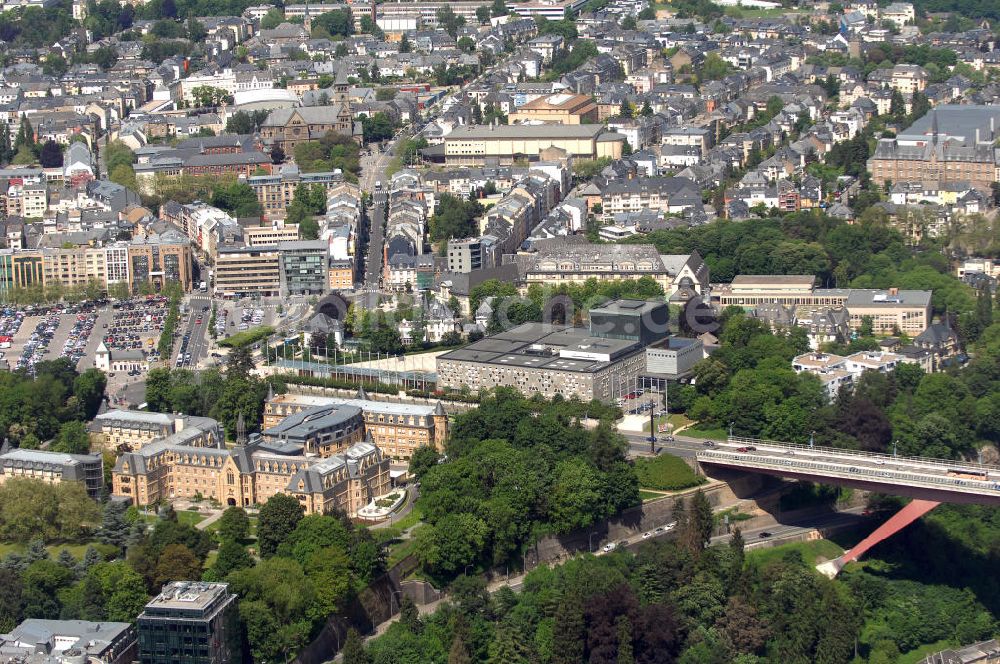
column 967, row 474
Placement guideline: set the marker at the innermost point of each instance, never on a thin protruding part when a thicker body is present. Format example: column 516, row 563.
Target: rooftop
column 499, row 132
column 188, row 596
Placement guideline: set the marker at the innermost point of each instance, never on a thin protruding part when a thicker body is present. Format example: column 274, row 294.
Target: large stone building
column 288, row 127
column 300, row 267
column 952, row 143
column 318, row 457
column 473, row 145
column 397, row 429
column 54, row 467
column 601, row 362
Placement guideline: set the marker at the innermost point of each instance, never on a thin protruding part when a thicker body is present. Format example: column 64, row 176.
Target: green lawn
column 402, row 549
column 410, row 520
column 666, row 473
column 915, row 656
column 190, row 517
column 649, row 495
column 810, row 551
column 676, row 419
column 714, row 434
column 76, row 549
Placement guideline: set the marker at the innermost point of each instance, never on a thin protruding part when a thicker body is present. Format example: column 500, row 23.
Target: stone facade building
column 320, row 457
column 288, row 127
column 397, row 429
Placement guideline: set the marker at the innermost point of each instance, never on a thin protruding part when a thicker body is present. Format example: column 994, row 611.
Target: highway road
column 682, row 446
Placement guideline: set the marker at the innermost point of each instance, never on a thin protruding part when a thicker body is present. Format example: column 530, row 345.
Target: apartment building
column 341, row 273
column 397, row 429
column 672, row 195
column 54, row 467
column 34, row 201
column 836, row 372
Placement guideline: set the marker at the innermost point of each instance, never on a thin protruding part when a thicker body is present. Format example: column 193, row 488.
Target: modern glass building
column 191, row 622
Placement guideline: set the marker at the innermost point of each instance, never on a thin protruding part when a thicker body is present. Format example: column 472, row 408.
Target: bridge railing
column 847, row 471
column 874, row 456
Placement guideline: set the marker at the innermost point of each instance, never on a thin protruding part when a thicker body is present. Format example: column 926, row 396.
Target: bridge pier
column 901, row 519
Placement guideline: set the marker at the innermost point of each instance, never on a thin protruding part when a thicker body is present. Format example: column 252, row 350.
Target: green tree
column 232, row 556
column 277, row 519
column 574, row 496
column 73, row 439
column 177, row 563
column 234, row 525
column 114, row 526
column 354, row 649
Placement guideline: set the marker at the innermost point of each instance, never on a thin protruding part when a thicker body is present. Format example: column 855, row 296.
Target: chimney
column 893, row 291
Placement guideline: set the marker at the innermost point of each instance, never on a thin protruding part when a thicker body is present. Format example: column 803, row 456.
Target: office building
column 631, row 320
column 247, row 271
column 319, row 457
column 304, row 265
column 54, row 467
column 323, row 430
column 561, row 359
column 190, row 622
column 127, row 430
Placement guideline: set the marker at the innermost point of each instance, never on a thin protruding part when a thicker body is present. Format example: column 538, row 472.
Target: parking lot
column 136, row 325
column 38, row 334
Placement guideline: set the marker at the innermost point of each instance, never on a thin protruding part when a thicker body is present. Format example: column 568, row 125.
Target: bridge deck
column 860, row 468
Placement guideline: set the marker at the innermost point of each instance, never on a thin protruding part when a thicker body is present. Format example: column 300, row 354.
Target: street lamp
column 590, row 541
column 894, row 448
column 731, row 429
column 812, row 434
